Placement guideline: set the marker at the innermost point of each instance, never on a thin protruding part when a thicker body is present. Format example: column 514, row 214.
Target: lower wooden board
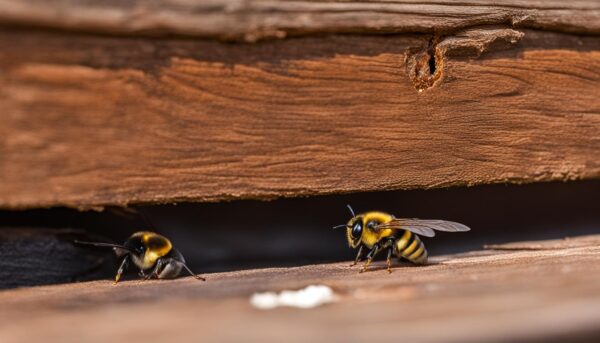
column 528, row 291
column 92, row 120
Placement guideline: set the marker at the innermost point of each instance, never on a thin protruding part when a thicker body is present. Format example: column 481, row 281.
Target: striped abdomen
column 411, row 248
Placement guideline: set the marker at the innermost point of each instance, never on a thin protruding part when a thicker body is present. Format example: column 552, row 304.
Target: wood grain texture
column 546, row 295
column 89, row 121
column 252, row 20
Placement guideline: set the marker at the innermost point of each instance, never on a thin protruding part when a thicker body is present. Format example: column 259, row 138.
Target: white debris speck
column 311, row 296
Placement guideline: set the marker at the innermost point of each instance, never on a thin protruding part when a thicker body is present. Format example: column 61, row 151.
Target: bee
column 377, row 231
column 152, row 253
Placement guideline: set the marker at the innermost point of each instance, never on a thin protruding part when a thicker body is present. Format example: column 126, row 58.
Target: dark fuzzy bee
column 378, row 231
column 152, row 253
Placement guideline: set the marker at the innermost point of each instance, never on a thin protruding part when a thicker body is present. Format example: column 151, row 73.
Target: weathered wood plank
column 89, row 121
column 256, row 19
column 550, row 295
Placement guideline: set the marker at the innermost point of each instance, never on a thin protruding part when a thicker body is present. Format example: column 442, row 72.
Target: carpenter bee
column 377, row 231
column 152, row 253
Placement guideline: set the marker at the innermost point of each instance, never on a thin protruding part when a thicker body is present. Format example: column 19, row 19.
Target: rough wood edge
column 252, row 20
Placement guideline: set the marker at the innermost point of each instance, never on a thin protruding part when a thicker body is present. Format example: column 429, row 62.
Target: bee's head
column 354, row 229
column 136, row 244
column 147, row 247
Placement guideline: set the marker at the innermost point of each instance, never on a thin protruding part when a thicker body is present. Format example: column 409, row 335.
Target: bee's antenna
column 191, row 272
column 340, row 226
column 351, row 210
column 100, row 244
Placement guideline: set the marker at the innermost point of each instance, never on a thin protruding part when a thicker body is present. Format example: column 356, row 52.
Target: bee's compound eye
column 357, row 230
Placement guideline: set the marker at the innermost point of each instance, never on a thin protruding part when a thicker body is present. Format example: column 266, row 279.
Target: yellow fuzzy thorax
column 370, row 237
column 156, row 245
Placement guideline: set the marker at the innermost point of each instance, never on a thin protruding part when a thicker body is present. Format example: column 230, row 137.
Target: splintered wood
column 546, row 293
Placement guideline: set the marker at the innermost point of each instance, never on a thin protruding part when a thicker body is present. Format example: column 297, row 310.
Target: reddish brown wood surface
column 88, row 120
column 549, row 294
column 256, row 19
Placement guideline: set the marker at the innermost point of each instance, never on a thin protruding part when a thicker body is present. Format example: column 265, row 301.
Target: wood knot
column 424, row 66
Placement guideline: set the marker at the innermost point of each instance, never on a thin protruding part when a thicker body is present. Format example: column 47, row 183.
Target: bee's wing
column 423, row 227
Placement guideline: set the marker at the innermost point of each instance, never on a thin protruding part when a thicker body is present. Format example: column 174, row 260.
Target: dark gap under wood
column 293, row 232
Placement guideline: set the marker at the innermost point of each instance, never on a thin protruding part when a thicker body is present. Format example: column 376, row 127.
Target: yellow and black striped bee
column 379, row 231
column 152, row 253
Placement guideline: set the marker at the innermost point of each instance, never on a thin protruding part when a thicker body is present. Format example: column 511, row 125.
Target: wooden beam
column 548, row 291
column 252, row 20
column 89, row 121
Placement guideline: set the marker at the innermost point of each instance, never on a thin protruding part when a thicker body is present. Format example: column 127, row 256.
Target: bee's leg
column 370, row 256
column 388, row 262
column 391, row 246
column 359, row 256
column 122, row 267
column 154, row 272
